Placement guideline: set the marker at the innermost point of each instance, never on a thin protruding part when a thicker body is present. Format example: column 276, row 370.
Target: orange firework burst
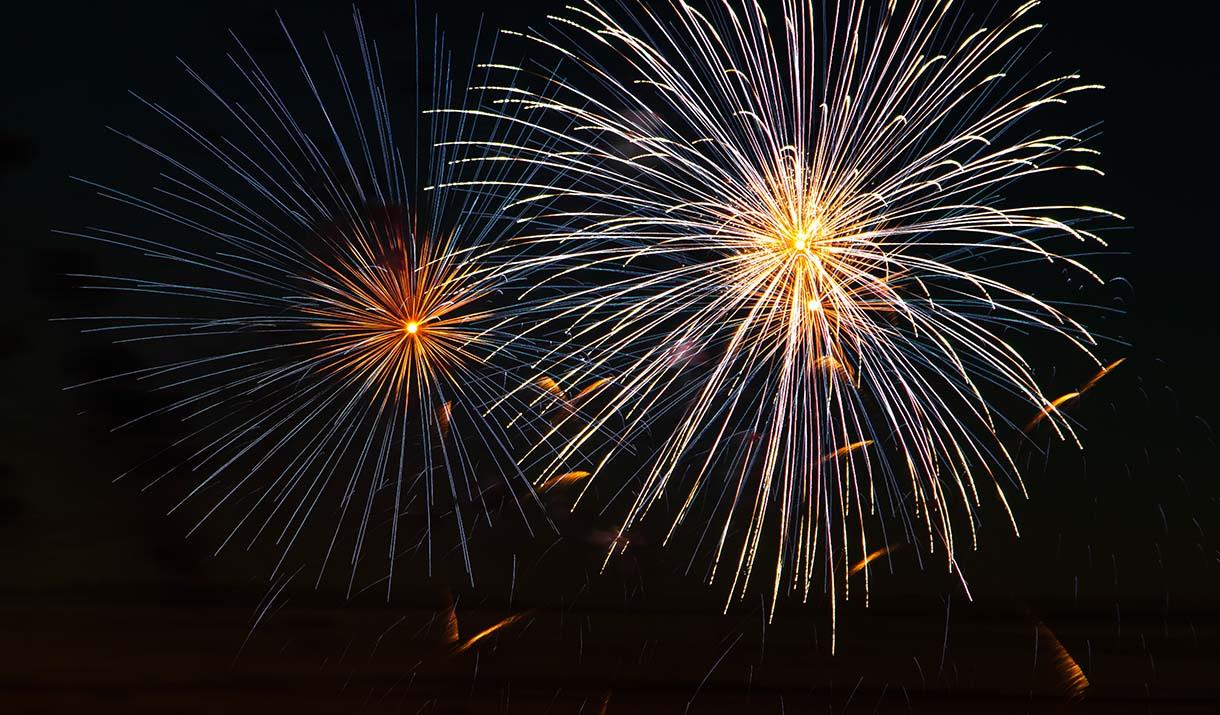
column 402, row 321
column 351, row 353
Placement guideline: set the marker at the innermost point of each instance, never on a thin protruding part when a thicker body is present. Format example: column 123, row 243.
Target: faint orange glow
column 830, row 363
column 452, row 632
column 445, row 416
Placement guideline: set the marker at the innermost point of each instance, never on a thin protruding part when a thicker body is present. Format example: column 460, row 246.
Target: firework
column 334, row 334
column 796, row 242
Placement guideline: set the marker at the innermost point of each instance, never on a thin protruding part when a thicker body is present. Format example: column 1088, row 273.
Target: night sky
column 106, row 606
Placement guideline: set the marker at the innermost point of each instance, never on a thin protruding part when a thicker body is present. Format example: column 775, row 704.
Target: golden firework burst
column 813, row 205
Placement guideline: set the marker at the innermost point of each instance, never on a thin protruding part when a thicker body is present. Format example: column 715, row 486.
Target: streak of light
column 847, row 449
column 1102, row 373
column 1074, row 680
column 565, row 478
column 1053, row 406
column 590, row 389
column 1057, row 403
column 494, row 628
column 872, row 556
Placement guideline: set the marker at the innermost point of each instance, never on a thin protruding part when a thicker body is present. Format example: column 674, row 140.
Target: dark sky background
column 102, row 595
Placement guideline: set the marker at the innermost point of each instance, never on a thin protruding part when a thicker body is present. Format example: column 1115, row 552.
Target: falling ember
column 846, row 450
column 1100, row 374
column 873, row 556
column 1053, row 406
column 490, row 630
column 1059, row 402
column 830, row 363
column 565, row 478
column 1073, row 678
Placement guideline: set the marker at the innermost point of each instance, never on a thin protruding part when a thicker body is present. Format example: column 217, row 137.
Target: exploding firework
column 797, row 241
column 333, row 331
